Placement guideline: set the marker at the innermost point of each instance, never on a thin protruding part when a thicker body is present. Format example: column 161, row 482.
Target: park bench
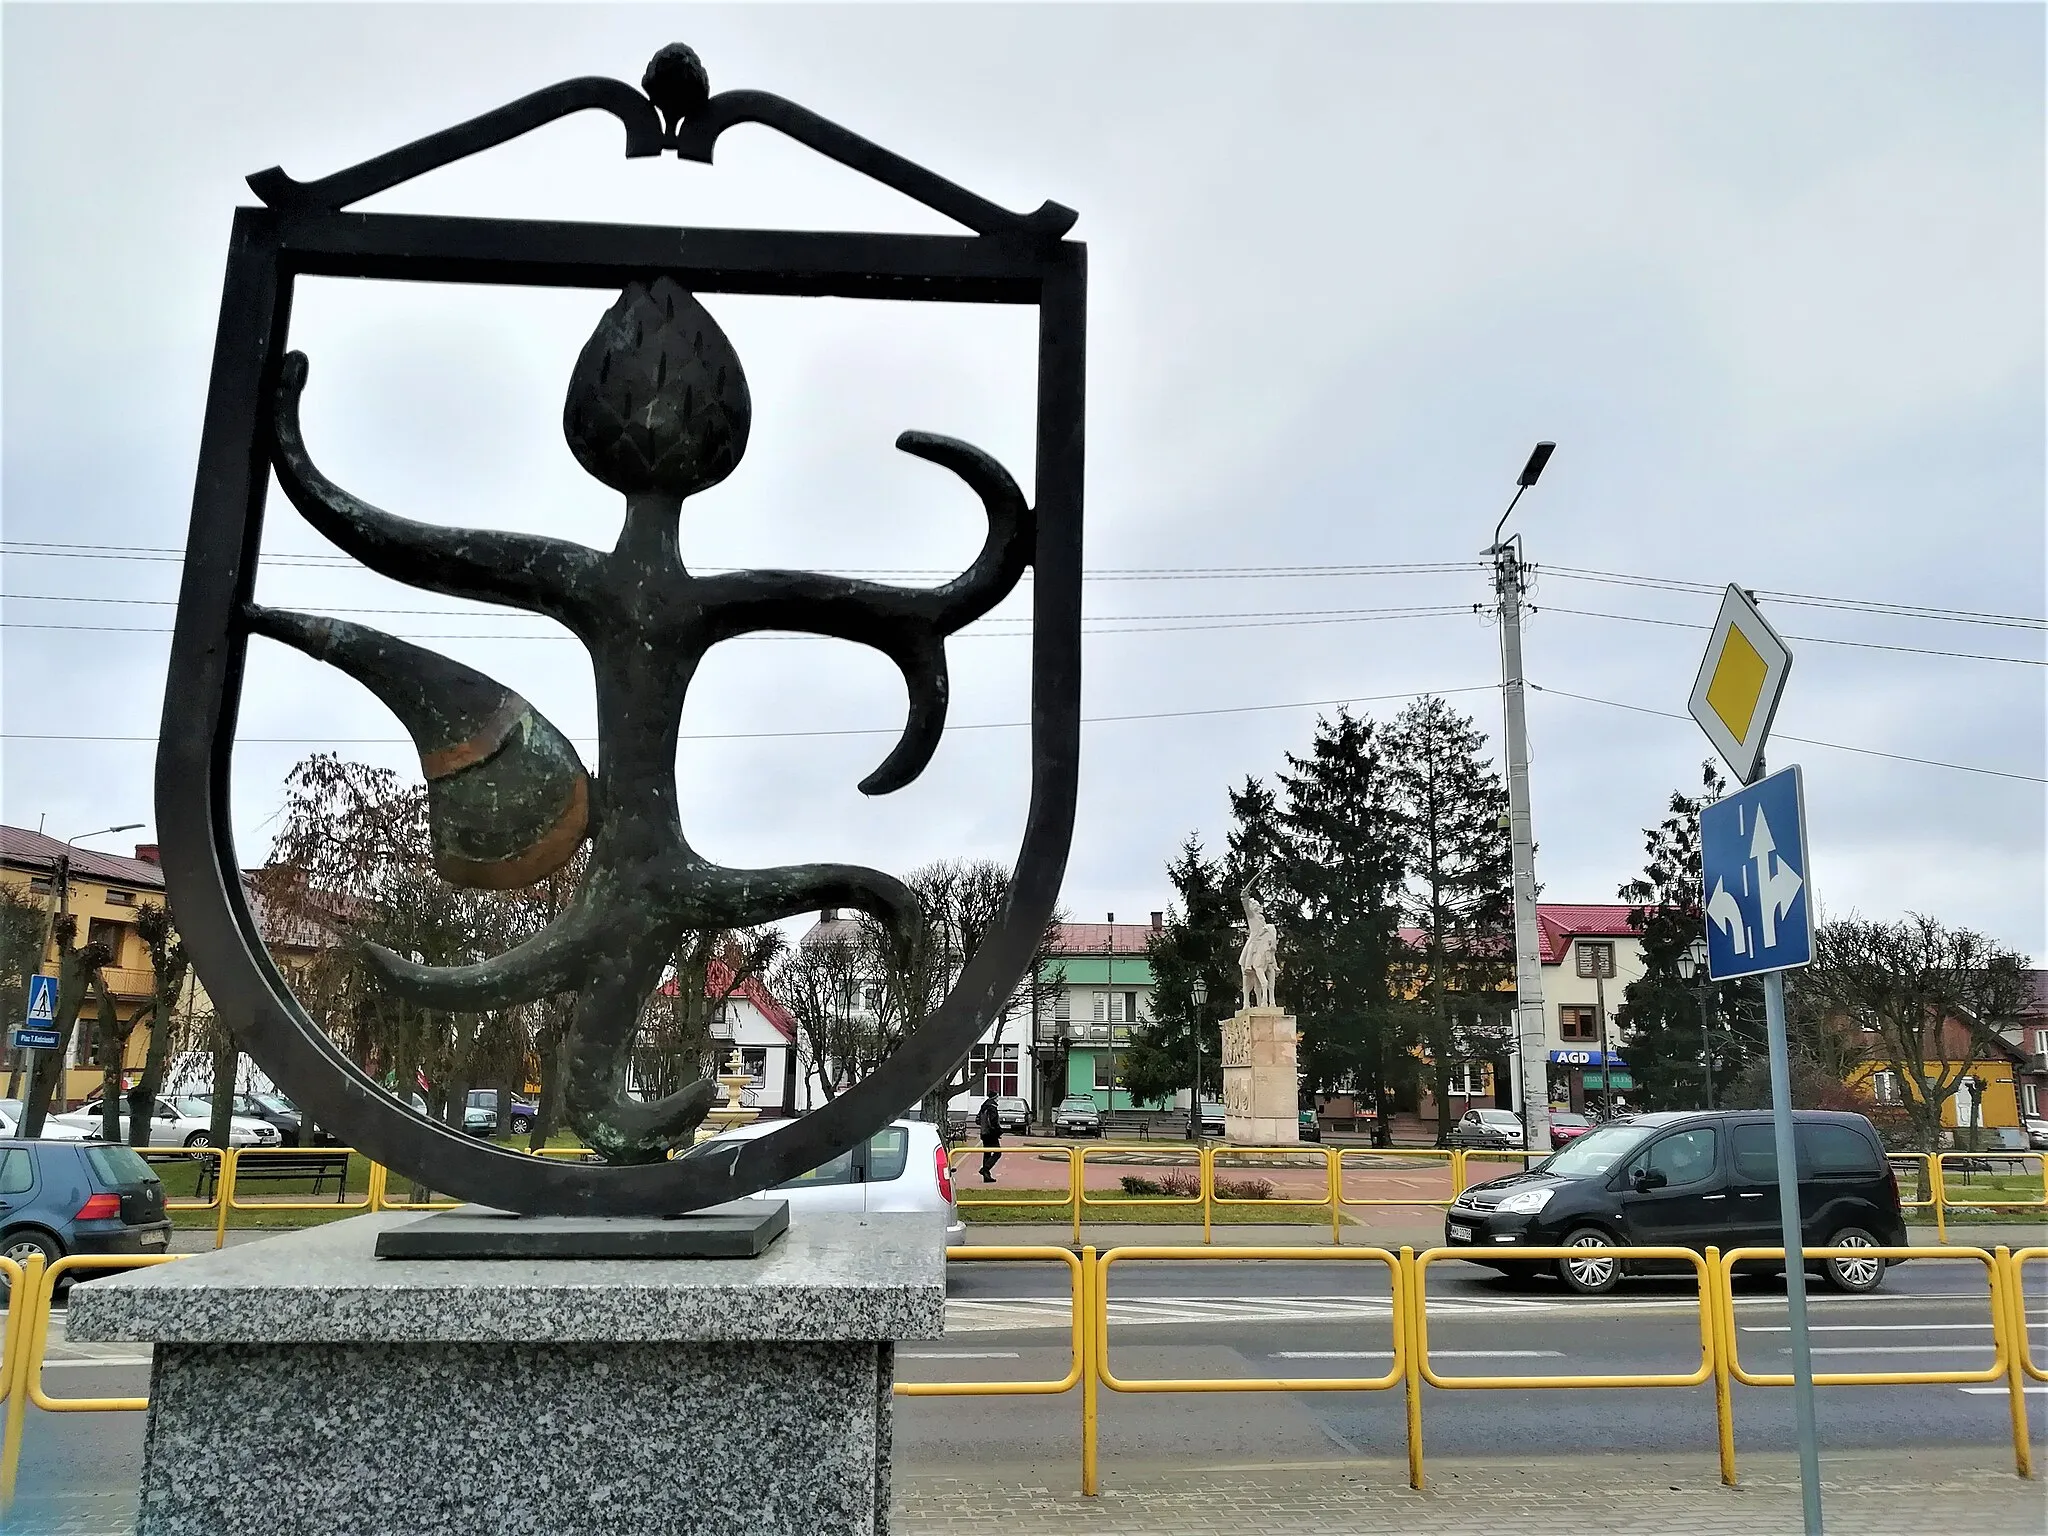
column 279, row 1168
column 1127, row 1123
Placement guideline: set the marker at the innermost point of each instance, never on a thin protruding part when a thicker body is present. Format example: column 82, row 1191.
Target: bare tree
column 78, row 972
column 169, row 966
column 820, row 984
column 1928, row 999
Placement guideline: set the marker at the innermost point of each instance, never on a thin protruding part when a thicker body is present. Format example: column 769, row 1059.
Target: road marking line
column 2031, row 1391
column 1434, row 1354
column 1874, row 1327
column 958, row 1354
column 1893, row 1349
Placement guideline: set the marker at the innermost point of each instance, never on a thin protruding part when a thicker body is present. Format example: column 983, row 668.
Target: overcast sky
column 1772, row 277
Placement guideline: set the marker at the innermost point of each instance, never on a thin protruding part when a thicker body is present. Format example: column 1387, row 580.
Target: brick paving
column 1873, row 1493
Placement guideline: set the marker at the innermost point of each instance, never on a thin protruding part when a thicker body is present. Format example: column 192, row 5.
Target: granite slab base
column 739, row 1229
column 302, row 1387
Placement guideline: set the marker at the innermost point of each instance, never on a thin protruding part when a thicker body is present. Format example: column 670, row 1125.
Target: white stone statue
column 1260, row 957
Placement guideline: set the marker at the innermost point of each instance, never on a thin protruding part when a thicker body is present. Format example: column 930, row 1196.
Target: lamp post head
column 1692, row 959
column 1533, row 470
column 1201, row 993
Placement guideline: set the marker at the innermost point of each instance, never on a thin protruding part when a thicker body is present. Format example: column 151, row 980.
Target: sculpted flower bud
column 658, row 401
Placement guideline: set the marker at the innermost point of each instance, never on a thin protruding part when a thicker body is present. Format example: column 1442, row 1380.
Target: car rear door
column 889, row 1182
column 1753, row 1186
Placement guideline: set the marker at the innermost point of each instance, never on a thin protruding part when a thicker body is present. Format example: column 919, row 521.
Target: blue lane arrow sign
column 1754, row 879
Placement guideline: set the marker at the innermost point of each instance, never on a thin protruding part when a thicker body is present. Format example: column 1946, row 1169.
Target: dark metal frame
column 304, row 230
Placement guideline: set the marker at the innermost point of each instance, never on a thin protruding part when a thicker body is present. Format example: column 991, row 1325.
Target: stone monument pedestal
column 1261, row 1085
column 303, row 1385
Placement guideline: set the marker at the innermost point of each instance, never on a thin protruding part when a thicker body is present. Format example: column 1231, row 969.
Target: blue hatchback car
column 63, row 1197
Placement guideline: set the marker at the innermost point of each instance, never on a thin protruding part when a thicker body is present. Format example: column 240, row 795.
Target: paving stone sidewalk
column 1873, row 1493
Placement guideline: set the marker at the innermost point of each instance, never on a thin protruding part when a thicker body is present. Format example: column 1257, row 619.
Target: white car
column 12, row 1112
column 1487, row 1128
column 174, row 1128
column 902, row 1167
column 2037, row 1132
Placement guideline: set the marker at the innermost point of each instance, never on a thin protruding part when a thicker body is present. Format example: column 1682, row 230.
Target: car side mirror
column 1650, row 1178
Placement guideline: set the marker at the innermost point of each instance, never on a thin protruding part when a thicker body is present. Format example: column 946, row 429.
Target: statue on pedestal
column 1260, row 957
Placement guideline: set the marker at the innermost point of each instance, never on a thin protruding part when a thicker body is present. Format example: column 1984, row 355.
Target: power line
column 1867, row 645
column 1806, row 741
column 984, row 725
column 1800, row 599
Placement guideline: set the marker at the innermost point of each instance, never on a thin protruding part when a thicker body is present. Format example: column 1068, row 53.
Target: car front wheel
column 199, row 1139
column 1590, row 1276
column 521, row 1125
column 1856, row 1276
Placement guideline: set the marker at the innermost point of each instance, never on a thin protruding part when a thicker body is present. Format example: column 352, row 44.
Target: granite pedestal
column 1261, row 1085
column 302, row 1387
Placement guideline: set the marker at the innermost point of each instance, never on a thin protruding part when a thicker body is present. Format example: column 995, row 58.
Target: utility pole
column 1509, row 580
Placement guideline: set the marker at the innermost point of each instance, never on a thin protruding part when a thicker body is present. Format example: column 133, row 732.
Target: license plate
column 155, row 1239
column 1460, row 1234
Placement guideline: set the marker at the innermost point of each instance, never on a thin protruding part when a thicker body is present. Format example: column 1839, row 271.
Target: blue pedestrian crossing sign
column 42, row 1000
column 1754, row 879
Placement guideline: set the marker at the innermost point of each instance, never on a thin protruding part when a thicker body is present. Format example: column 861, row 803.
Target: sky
column 1770, row 276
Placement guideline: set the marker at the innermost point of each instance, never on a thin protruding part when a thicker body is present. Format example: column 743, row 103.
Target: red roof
column 1558, row 923
column 1102, row 938
column 718, row 983
column 32, row 850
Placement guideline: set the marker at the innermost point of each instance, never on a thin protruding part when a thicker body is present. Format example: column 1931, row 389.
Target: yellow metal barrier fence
column 1926, row 1170
column 1960, row 1161
column 1080, row 1367
column 1250, row 1158
column 23, row 1281
column 2017, row 1300
column 1069, row 1203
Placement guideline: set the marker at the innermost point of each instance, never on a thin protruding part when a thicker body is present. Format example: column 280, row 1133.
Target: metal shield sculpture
column 657, row 408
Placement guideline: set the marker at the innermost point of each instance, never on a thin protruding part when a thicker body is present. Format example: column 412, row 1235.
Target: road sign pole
column 1791, row 1228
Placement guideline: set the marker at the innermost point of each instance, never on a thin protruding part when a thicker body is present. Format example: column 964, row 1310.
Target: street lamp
column 1692, row 961
column 1200, row 993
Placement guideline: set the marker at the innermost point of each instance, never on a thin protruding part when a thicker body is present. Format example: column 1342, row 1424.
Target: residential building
column 749, row 1018
column 1589, row 954
column 1988, row 1095
column 105, row 893
column 2029, row 1036
column 1097, row 989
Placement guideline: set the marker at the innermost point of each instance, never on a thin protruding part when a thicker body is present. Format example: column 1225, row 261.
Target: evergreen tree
column 1659, row 1015
column 1460, row 889
column 1334, row 892
column 1197, row 939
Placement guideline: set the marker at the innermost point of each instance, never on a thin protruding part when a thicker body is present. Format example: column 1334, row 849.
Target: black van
column 1689, row 1179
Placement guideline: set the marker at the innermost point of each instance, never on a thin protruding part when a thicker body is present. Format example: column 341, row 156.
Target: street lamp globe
column 1201, row 993
column 1692, row 959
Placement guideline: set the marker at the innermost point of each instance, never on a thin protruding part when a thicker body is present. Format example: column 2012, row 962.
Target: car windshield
column 1560, row 1119
column 1499, row 1117
column 1087, row 1104
column 1591, row 1155
column 277, row 1103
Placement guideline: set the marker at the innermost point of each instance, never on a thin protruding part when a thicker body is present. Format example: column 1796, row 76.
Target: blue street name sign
column 35, row 1039
column 1754, row 879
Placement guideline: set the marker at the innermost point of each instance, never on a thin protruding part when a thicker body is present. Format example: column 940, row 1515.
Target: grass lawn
column 1960, row 1188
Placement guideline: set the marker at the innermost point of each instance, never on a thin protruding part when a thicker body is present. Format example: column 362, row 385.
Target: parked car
column 1690, row 1180
column 1311, row 1128
column 480, row 1114
column 1495, row 1128
column 1077, row 1116
column 13, row 1112
column 2037, row 1133
column 273, row 1109
column 1566, row 1127
column 1212, row 1117
column 63, row 1197
column 175, row 1126
column 902, row 1167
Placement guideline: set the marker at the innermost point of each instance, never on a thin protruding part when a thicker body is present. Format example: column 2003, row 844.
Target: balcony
column 129, row 981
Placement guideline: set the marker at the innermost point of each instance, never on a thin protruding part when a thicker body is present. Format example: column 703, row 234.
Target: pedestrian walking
column 990, row 1121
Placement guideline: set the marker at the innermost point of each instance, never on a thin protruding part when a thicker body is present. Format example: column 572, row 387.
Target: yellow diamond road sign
column 1736, row 693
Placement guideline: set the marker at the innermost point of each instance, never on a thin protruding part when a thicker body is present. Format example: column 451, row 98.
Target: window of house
column 1105, row 1069
column 1884, row 1087
column 871, row 998
column 993, row 1069
column 1575, row 1023
column 39, row 885
column 105, row 931
column 1131, row 1007
column 1116, row 1007
column 2030, row 1094
column 1063, row 1007
column 1101, row 1007
column 120, row 898
column 1594, row 959
column 755, row 1059
column 1467, row 1080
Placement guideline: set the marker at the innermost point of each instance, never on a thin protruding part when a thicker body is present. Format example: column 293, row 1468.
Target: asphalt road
column 1327, row 1320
